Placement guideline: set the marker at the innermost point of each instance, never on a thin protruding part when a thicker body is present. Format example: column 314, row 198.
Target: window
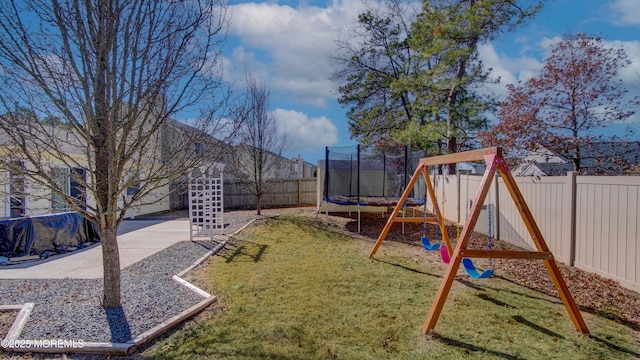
column 133, row 189
column 77, row 188
column 199, row 148
column 60, row 177
column 17, row 195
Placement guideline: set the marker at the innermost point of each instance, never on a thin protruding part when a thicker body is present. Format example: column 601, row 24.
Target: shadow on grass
column 208, row 244
column 557, row 300
column 492, row 288
column 118, row 325
column 537, row 327
column 495, row 301
column 244, row 249
column 471, row 284
column 406, row 268
column 473, row 348
column 615, row 347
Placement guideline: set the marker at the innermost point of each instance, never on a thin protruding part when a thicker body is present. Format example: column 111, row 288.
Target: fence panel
column 607, row 230
column 455, row 197
column 547, row 199
column 279, row 193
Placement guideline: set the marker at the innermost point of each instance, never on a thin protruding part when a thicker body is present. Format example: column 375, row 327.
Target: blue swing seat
column 473, row 272
column 427, row 244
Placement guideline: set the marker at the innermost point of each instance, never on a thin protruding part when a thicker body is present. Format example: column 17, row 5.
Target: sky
column 287, row 44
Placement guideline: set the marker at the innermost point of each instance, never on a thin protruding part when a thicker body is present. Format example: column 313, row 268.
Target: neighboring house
column 239, row 165
column 304, row 169
column 21, row 197
column 471, row 168
column 596, row 159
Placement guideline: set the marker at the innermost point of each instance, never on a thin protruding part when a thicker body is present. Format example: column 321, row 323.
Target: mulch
column 592, row 293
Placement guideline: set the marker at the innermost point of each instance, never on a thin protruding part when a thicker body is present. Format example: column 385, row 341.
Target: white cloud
column 546, row 44
column 295, row 42
column 509, row 70
column 521, row 68
column 625, row 12
column 308, row 134
column 631, row 74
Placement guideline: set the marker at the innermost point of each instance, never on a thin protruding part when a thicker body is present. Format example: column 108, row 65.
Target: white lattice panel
column 206, row 202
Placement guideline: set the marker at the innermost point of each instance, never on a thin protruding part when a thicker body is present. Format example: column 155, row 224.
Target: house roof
column 268, row 152
column 604, row 158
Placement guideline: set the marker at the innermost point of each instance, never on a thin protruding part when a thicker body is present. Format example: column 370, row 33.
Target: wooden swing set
column 494, row 162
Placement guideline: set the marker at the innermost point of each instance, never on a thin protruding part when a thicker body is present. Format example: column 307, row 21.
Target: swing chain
column 437, row 211
column 424, row 210
column 467, row 202
column 490, row 231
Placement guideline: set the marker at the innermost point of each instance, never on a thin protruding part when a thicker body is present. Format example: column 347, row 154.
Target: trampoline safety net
column 376, row 177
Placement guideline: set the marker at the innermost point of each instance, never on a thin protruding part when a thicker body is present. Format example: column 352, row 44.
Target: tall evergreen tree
column 370, row 61
column 447, row 34
column 414, row 76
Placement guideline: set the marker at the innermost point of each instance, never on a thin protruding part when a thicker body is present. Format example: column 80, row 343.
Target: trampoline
column 377, row 177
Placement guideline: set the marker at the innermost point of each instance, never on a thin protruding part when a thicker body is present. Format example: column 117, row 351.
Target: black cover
column 42, row 235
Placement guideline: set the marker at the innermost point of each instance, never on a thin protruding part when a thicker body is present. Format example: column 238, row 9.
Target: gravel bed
column 70, row 309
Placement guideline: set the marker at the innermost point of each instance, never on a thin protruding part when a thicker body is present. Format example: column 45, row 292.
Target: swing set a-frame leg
column 456, row 257
column 421, row 170
column 396, row 210
column 541, row 246
column 443, row 292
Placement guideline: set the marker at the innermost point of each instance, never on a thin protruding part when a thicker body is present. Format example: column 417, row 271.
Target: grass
column 289, row 289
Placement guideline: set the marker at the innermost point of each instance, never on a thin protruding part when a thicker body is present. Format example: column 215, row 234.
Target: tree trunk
column 111, row 267
column 104, row 151
column 259, row 205
column 452, row 146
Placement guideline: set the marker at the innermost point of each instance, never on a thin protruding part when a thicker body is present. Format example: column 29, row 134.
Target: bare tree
column 102, row 81
column 263, row 143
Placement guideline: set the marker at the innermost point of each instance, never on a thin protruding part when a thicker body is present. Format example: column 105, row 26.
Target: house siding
column 39, row 197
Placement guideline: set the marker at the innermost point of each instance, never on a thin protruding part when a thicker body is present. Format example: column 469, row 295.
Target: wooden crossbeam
column 430, row 219
column 506, row 254
column 473, row 155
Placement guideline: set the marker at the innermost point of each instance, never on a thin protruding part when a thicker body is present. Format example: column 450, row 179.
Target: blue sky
column 287, row 44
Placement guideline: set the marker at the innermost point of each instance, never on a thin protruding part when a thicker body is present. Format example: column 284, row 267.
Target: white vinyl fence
column 591, row 222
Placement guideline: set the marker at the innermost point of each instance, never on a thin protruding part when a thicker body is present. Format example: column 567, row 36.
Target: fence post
column 458, row 197
column 571, row 181
column 496, row 204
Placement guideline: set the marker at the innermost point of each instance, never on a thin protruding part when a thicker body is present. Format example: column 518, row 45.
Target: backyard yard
column 299, row 287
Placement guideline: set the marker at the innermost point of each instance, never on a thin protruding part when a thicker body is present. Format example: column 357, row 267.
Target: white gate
column 206, row 207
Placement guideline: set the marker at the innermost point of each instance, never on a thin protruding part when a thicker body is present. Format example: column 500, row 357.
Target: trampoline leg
column 326, row 209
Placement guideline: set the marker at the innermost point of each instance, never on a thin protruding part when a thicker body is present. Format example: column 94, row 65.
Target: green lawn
column 289, row 289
